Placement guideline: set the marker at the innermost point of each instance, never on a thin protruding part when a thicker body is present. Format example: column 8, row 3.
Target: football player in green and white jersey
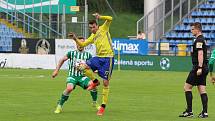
column 211, row 64
column 75, row 76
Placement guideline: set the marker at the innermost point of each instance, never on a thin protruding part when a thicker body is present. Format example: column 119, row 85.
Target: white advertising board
column 27, row 61
column 62, row 46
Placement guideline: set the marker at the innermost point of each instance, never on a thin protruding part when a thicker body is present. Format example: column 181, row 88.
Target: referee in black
column 198, row 74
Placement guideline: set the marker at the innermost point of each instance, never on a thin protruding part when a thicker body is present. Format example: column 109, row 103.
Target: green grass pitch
column 31, row 95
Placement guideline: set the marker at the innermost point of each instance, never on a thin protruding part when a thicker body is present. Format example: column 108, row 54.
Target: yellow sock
column 89, row 73
column 105, row 93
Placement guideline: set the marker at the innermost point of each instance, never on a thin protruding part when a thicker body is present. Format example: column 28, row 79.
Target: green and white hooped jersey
column 75, row 57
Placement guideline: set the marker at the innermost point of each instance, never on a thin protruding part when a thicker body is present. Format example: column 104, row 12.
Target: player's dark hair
column 197, row 25
column 92, row 22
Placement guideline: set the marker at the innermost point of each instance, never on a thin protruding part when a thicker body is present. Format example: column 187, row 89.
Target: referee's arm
column 200, row 60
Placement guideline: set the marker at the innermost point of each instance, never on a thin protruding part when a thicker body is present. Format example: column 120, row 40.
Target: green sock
column 94, row 94
column 63, row 99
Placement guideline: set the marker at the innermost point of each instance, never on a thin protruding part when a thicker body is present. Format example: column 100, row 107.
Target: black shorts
column 195, row 80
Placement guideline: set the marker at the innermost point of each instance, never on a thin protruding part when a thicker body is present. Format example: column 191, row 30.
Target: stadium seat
column 204, row 21
column 177, row 28
column 205, row 14
column 194, row 13
column 186, row 21
column 6, row 35
column 180, row 35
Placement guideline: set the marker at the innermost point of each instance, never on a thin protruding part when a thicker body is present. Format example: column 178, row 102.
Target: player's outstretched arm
column 80, row 43
column 108, row 20
column 98, row 16
column 60, row 63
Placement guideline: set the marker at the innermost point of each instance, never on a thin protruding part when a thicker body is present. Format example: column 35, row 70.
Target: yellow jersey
column 101, row 39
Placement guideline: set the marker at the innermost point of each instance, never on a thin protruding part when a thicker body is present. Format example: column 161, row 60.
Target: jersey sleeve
column 108, row 20
column 199, row 44
column 90, row 56
column 68, row 54
column 211, row 61
column 86, row 42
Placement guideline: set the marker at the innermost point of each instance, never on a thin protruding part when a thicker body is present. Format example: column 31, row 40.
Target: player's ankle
column 95, row 81
column 103, row 105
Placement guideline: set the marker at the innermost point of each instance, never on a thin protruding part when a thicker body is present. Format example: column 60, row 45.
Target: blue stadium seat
column 203, row 20
column 177, row 28
column 211, row 1
column 197, row 20
column 202, row 6
column 212, row 28
column 194, row 13
column 172, row 41
column 186, row 35
column 164, row 40
column 205, row 14
column 213, row 6
column 208, row 6
column 207, row 28
column 211, row 14
column 180, row 35
column 168, row 35
column 190, row 42
column 174, row 35
column 186, row 20
column 188, row 28
column 212, row 35
column 6, row 35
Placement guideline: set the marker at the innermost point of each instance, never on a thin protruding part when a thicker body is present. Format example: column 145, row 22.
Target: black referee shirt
column 199, row 44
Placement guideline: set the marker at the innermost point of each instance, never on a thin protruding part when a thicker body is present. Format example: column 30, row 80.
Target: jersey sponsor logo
column 199, row 45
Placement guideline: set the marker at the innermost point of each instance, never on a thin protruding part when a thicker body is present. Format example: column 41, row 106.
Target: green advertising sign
column 153, row 63
column 38, row 6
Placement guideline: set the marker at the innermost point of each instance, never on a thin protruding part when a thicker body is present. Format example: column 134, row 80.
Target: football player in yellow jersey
column 104, row 60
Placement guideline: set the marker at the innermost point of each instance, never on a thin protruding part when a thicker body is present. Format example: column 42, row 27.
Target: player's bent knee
column 69, row 89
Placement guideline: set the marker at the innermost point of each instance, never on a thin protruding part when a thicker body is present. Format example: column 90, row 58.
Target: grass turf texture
column 31, row 95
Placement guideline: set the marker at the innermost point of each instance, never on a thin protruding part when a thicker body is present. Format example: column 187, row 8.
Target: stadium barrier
column 153, row 63
column 12, row 60
column 130, row 55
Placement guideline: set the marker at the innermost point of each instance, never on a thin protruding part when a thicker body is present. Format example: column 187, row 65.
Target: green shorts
column 81, row 81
